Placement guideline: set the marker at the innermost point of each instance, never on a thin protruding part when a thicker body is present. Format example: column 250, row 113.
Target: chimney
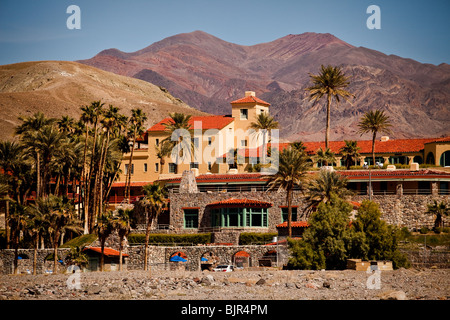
column 384, row 138
column 250, row 93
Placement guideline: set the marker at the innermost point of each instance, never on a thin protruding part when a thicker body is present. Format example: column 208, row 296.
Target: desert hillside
column 59, row 88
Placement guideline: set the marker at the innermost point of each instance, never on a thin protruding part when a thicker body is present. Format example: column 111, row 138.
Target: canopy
column 204, row 259
column 177, row 259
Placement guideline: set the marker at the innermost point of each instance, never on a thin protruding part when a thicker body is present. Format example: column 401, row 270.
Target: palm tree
column 264, row 123
column 330, row 82
column 123, row 226
column 104, row 228
column 18, row 223
column 323, row 187
column 440, row 210
column 137, row 120
column 350, row 152
column 162, row 150
column 325, row 156
column 374, row 121
column 292, row 171
column 59, row 215
column 299, row 146
column 177, row 125
column 154, row 202
column 27, row 132
column 38, row 225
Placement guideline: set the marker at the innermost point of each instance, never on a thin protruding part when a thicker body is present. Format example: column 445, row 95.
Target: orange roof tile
column 250, row 99
column 242, row 254
column 208, row 122
column 109, row 252
column 241, row 202
column 294, row 224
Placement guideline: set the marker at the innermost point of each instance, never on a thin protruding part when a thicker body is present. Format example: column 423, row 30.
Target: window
column 190, row 218
column 240, row 217
column 156, row 167
column 243, row 143
column 145, row 167
column 244, row 114
column 157, row 142
column 194, row 165
column 132, row 168
column 284, row 214
column 209, row 141
column 172, row 168
column 209, row 166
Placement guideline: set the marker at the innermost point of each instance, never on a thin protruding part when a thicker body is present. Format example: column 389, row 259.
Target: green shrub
column 424, row 230
column 438, row 230
column 247, row 238
column 446, row 230
column 197, row 238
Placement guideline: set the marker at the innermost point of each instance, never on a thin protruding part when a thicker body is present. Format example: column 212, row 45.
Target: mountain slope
column 60, row 88
column 208, row 73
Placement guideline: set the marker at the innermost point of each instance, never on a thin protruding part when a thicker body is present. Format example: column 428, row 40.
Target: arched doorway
column 430, row 158
column 208, row 261
column 445, row 159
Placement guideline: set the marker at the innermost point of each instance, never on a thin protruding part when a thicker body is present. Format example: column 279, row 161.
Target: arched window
column 445, row 159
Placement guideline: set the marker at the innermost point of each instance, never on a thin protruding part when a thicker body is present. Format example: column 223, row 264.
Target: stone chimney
column 188, row 184
column 250, row 93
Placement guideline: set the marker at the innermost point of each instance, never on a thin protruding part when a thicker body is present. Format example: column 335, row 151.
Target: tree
column 440, row 210
column 323, row 187
column 325, row 156
column 104, row 228
column 350, row 152
column 18, row 223
column 60, row 216
column 329, row 82
column 154, row 202
column 293, row 167
column 327, row 240
column 264, row 123
column 177, row 128
column 122, row 225
column 374, row 121
column 37, row 227
column 137, row 120
column 162, row 150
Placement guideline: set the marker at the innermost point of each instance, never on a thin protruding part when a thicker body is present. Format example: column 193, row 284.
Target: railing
column 232, row 188
column 121, row 199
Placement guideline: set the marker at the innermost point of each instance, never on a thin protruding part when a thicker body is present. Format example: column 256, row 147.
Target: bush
column 198, row 238
column 247, row 238
column 446, row 229
column 424, row 230
column 438, row 230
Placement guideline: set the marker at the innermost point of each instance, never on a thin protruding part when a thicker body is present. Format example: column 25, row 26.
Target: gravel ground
column 402, row 284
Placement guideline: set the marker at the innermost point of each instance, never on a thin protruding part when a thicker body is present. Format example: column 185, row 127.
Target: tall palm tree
column 330, row 82
column 264, row 124
column 154, row 202
column 163, row 150
column 137, row 121
column 440, row 210
column 321, row 189
column 38, row 225
column 292, row 171
column 374, row 121
column 350, row 152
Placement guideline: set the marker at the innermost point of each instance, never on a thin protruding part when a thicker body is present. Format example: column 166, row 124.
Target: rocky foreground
column 402, row 284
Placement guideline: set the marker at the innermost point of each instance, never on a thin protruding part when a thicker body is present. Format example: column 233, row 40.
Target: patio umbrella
column 177, row 259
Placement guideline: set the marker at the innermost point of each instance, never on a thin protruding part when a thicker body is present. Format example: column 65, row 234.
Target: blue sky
column 36, row 30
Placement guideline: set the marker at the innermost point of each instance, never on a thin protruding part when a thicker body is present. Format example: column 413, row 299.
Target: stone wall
column 158, row 256
column 407, row 210
column 401, row 210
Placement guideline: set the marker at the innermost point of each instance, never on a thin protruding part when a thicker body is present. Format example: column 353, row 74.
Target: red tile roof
column 132, row 184
column 211, row 178
column 390, row 146
column 250, row 99
column 208, row 122
column 109, row 252
column 240, row 203
column 294, row 224
column 242, row 254
column 394, row 174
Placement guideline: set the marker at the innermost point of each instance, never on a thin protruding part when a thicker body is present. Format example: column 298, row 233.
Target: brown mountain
column 59, row 88
column 207, row 73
